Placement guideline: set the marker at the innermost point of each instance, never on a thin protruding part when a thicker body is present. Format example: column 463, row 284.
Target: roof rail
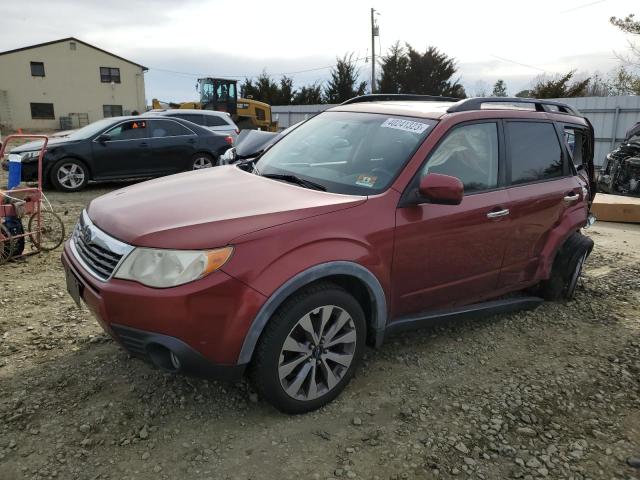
column 390, row 97
column 540, row 105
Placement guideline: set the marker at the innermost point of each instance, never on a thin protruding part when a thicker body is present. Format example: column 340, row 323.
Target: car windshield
column 347, row 152
column 92, row 129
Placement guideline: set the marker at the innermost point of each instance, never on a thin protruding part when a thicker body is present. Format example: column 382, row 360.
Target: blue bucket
column 15, row 171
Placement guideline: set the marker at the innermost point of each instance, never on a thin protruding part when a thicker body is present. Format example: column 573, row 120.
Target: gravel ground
column 550, row 393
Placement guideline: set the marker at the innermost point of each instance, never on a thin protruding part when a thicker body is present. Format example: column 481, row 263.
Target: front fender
column 306, row 277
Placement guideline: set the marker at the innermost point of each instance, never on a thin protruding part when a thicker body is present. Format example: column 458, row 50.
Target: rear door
column 125, row 151
column 541, row 188
column 172, row 146
column 447, row 255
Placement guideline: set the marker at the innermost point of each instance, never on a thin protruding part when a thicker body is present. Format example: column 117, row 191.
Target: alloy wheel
column 70, row 175
column 202, row 162
column 317, row 353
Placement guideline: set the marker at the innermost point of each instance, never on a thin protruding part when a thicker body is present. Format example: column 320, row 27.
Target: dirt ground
column 551, row 393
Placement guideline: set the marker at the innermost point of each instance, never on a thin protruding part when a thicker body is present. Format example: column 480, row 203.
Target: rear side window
column 534, row 151
column 214, row 121
column 470, row 153
column 191, row 117
column 167, row 128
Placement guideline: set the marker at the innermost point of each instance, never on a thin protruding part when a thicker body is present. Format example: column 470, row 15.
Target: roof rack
column 540, row 105
column 387, row 97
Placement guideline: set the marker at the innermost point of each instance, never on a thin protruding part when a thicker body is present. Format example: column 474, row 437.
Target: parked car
column 371, row 218
column 123, row 147
column 251, row 143
column 219, row 122
column 620, row 173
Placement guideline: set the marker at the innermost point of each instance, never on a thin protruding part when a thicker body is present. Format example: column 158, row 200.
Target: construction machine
column 221, row 94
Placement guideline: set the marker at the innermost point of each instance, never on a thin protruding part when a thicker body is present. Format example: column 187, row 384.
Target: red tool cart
column 23, row 215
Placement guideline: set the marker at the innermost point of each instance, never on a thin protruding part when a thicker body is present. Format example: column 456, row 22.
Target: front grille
column 98, row 252
column 100, row 260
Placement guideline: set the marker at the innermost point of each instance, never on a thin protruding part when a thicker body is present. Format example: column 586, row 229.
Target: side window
column 167, row 128
column 191, row 117
column 129, row 130
column 214, row 121
column 577, row 143
column 470, row 153
column 534, row 151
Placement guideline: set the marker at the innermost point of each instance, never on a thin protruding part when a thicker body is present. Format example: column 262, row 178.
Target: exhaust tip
column 164, row 358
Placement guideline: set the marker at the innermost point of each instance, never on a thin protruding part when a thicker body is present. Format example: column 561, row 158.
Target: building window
column 42, row 111
column 72, row 45
column 37, row 69
column 111, row 111
column 108, row 75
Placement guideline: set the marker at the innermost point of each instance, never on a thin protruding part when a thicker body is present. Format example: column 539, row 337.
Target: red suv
column 382, row 214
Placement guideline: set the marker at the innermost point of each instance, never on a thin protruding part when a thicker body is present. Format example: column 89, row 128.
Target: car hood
column 207, row 208
column 37, row 145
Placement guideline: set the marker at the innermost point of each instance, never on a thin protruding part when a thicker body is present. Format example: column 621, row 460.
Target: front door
column 122, row 151
column 448, row 255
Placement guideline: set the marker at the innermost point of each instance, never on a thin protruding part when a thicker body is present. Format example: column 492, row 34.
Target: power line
column 581, row 6
column 200, row 75
column 518, row 63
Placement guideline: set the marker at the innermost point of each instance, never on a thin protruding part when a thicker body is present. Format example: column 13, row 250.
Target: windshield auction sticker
column 366, row 181
column 406, row 125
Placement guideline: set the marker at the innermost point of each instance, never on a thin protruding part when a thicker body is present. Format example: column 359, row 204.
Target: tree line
column 405, row 69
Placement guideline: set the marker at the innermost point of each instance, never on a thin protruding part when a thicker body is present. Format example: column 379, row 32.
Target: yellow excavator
column 221, row 94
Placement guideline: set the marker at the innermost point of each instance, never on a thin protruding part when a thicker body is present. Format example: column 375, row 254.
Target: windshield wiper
column 293, row 179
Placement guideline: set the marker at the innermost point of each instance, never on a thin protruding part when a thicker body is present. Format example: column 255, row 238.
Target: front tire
column 310, row 349
column 69, row 175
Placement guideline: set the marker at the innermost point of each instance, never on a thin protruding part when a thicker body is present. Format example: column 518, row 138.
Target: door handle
column 144, row 144
column 571, row 197
column 500, row 213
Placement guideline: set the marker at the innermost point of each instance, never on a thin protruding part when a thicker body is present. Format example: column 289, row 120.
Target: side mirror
column 441, row 189
column 103, row 138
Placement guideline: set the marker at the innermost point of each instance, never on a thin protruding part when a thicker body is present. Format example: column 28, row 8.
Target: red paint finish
column 425, row 256
column 211, row 315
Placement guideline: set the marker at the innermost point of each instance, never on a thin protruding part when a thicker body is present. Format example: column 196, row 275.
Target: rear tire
column 202, row 160
column 567, row 268
column 310, row 349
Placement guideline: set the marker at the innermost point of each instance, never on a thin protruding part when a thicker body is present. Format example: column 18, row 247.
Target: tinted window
column 191, row 117
column 42, row 111
column 214, row 121
column 167, row 128
column 37, row 69
column 129, row 130
column 469, row 153
column 534, row 151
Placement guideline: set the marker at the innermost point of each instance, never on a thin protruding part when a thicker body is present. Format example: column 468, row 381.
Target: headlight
column 29, row 156
column 169, row 268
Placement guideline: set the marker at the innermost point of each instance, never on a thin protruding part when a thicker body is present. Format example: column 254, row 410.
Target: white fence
column 611, row 118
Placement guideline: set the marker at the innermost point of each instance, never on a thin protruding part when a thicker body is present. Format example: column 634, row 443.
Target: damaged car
column 620, row 172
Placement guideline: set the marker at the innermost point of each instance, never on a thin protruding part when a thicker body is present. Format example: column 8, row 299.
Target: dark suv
column 382, row 214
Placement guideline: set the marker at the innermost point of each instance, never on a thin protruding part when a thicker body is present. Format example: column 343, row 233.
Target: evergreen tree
column 343, row 84
column 499, row 89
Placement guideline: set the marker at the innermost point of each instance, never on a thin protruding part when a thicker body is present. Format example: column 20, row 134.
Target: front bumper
column 203, row 322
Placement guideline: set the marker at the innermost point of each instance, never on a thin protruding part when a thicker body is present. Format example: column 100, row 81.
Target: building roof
column 72, row 39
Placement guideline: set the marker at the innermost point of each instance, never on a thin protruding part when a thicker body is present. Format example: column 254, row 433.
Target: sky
column 182, row 40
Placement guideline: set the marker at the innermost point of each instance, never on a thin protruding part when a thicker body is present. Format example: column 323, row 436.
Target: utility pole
column 374, row 34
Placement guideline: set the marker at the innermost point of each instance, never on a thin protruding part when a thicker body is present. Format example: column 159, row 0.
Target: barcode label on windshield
column 406, row 125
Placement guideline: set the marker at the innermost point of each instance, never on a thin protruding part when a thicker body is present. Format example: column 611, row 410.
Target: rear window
column 534, row 151
column 214, row 121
